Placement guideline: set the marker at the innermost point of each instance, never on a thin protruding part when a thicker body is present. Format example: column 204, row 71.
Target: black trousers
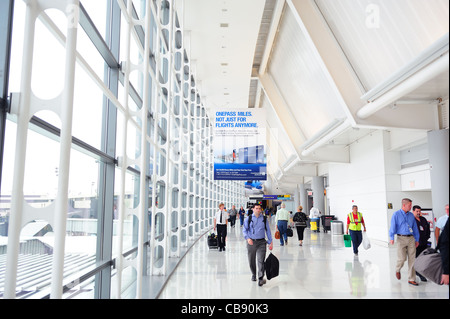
column 300, row 230
column 232, row 220
column 221, row 235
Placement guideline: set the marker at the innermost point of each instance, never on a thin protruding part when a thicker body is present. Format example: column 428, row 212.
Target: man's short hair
column 416, row 207
column 406, row 201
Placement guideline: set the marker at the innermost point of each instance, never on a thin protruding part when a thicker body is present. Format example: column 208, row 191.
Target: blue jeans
column 357, row 239
column 282, row 228
column 241, row 217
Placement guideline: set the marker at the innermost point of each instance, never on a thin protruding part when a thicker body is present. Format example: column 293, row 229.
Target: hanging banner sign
column 240, row 144
column 277, row 197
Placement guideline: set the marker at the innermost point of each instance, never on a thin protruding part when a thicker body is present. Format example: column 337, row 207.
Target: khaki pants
column 406, row 248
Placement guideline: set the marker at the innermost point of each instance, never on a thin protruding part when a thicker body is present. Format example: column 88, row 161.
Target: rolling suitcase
column 212, row 241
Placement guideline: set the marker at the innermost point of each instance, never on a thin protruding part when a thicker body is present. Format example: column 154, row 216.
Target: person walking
column 443, row 248
column 403, row 224
column 440, row 224
column 424, row 233
column 299, row 220
column 256, row 227
column 354, row 222
column 233, row 213
column 220, row 222
column 281, row 222
column 242, row 215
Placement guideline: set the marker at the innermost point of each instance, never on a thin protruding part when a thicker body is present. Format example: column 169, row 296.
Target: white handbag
column 366, row 242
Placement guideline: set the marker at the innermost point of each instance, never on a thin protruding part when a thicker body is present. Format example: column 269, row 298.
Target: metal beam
column 6, row 22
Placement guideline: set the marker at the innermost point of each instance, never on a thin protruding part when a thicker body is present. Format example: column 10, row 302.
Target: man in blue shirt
column 255, row 229
column 403, row 224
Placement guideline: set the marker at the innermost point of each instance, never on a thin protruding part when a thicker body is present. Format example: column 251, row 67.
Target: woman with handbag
column 299, row 220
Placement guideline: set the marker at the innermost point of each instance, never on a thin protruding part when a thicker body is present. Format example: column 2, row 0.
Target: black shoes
column 260, row 281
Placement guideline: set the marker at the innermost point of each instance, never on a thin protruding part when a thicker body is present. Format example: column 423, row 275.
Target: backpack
column 250, row 219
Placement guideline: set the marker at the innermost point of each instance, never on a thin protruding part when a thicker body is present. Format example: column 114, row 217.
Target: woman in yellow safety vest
column 354, row 222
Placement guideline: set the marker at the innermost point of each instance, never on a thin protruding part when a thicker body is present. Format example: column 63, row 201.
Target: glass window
column 92, row 228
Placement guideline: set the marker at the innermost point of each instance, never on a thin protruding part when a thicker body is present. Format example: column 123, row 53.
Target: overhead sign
column 277, row 197
column 240, row 144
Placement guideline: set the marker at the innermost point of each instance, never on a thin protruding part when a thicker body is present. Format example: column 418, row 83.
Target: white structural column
column 318, row 193
column 164, row 58
column 186, row 139
column 303, row 196
column 124, row 161
column 62, row 105
column 143, row 161
column 179, row 129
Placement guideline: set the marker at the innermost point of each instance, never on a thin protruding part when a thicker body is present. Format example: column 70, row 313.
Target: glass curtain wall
column 107, row 160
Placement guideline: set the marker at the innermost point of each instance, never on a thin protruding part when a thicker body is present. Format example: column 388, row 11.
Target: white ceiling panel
column 281, row 148
column 381, row 36
column 298, row 71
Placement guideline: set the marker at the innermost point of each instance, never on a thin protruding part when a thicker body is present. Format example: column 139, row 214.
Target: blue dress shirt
column 257, row 229
column 401, row 223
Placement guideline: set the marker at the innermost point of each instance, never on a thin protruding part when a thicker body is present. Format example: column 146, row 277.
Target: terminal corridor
column 125, row 123
column 320, row 269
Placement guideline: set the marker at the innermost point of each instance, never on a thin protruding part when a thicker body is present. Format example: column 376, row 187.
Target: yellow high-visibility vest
column 353, row 225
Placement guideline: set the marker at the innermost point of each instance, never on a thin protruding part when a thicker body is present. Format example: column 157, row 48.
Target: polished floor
column 322, row 268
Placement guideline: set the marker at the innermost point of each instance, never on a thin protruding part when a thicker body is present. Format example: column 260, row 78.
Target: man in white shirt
column 440, row 224
column 220, row 222
column 281, row 222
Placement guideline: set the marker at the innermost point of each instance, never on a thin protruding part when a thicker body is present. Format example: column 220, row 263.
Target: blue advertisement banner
column 242, row 172
column 240, row 151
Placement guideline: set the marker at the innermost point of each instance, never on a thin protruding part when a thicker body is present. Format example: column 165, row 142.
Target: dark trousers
column 300, row 230
column 356, row 239
column 419, row 249
column 257, row 255
column 221, row 235
column 232, row 220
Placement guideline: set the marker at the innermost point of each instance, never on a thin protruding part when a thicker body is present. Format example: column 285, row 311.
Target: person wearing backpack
column 299, row 220
column 255, row 230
